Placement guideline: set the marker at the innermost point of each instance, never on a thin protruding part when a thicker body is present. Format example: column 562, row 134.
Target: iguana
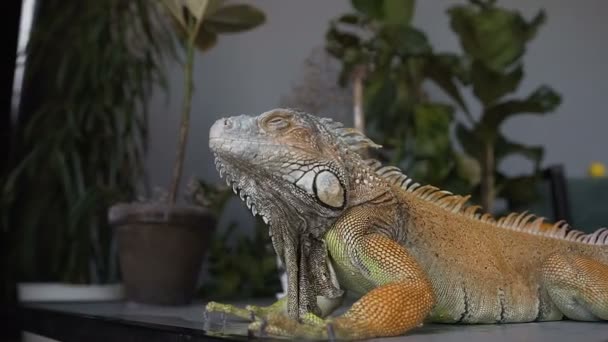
column 412, row 253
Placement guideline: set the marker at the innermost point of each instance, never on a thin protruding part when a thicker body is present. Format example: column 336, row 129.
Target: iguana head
column 288, row 165
column 298, row 172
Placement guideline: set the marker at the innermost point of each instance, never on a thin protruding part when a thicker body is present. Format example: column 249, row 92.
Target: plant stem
column 185, row 120
column 487, row 176
column 359, row 118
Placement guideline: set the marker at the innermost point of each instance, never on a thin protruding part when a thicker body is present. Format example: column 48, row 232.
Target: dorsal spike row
column 523, row 222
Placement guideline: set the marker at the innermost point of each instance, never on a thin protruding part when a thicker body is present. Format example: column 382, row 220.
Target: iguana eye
column 276, row 122
column 328, row 189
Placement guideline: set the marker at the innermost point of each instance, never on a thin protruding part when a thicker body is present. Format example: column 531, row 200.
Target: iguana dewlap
column 413, row 253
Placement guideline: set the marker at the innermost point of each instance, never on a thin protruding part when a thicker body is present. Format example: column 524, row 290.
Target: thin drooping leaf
column 234, row 18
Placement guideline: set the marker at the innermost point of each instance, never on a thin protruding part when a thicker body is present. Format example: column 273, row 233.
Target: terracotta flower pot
column 161, row 249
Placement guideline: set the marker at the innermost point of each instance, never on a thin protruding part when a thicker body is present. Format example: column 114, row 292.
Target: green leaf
column 371, row 8
column 489, row 85
column 205, row 40
column 234, row 18
column 495, row 36
column 504, row 147
column 542, row 100
column 443, row 69
column 432, row 126
column 535, row 23
column 398, row 12
column 405, row 40
column 212, row 7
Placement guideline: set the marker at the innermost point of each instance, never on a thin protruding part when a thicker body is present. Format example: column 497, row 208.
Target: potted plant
column 78, row 144
column 162, row 242
column 493, row 41
column 389, row 62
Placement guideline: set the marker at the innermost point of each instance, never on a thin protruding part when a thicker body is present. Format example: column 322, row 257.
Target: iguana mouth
column 238, row 189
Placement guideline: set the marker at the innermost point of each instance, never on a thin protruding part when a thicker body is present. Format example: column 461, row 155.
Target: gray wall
column 249, row 72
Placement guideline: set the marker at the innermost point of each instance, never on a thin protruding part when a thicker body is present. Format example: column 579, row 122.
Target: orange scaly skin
column 412, row 253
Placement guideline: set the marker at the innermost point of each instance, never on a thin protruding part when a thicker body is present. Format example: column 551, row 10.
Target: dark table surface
column 124, row 321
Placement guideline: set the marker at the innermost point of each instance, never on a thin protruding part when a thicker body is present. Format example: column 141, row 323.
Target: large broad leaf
column 443, row 70
column 373, row 9
column 234, row 18
column 504, row 147
column 490, row 85
column 542, row 100
column 398, row 12
column 432, row 125
column 405, row 40
column 495, row 36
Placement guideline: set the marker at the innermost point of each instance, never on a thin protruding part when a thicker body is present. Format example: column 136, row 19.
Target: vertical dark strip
column 11, row 11
column 465, row 299
column 559, row 193
column 502, row 300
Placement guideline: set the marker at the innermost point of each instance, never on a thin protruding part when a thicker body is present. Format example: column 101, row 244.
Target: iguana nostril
column 228, row 123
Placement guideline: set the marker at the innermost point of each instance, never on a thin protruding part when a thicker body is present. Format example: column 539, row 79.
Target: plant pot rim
column 157, row 213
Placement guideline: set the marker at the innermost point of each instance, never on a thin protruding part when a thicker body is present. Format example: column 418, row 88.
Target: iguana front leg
column 400, row 298
column 401, row 301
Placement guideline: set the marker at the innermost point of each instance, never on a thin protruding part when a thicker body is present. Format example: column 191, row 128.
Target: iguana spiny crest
column 295, row 163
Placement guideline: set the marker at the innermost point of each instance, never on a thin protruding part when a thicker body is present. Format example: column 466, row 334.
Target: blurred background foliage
column 81, row 135
column 241, row 263
column 398, row 59
column 424, row 136
column 83, row 126
column 494, row 41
